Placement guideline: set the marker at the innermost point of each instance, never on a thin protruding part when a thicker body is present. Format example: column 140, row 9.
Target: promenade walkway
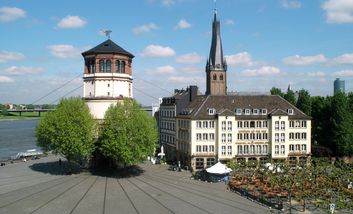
column 39, row 186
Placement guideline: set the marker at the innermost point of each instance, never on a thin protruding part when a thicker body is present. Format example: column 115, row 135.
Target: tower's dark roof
column 216, row 60
column 108, row 46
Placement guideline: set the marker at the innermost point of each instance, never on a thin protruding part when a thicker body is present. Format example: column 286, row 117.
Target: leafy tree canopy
column 70, row 130
column 304, row 102
column 129, row 134
column 290, row 97
column 276, row 91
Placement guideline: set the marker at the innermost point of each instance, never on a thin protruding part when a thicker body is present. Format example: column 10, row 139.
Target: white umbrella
column 219, row 168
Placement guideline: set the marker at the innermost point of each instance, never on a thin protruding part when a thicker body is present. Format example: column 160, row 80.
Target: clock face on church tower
column 218, row 66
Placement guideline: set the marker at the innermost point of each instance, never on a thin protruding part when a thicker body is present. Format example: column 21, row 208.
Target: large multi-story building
column 218, row 127
column 338, row 85
column 107, row 77
column 169, row 108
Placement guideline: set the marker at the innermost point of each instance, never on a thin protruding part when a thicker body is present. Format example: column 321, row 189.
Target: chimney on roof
column 192, row 92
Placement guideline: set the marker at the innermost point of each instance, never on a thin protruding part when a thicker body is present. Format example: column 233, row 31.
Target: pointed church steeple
column 216, row 65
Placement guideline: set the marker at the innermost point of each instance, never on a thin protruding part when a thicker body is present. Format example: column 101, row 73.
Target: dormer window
column 255, row 111
column 263, row 111
column 238, row 111
column 290, row 111
column 211, row 111
column 247, row 111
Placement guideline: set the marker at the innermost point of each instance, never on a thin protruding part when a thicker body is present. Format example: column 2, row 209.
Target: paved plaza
column 40, row 186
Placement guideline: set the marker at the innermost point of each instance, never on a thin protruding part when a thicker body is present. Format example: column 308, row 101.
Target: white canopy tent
column 219, row 168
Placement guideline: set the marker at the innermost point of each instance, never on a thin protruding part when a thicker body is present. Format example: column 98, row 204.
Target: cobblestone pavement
column 40, row 186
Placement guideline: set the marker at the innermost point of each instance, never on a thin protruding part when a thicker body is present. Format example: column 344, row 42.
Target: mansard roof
column 108, row 47
column 269, row 104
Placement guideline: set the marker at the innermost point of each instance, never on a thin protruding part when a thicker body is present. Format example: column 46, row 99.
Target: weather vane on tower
column 215, row 6
column 107, row 33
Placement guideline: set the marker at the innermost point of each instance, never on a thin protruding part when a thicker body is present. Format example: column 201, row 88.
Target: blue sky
column 266, row 43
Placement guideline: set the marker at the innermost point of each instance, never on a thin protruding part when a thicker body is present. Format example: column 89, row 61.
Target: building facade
column 338, row 85
column 244, row 128
column 107, row 77
column 169, row 108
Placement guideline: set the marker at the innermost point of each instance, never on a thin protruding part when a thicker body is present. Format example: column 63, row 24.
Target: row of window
column 227, row 125
column 283, row 125
column 183, row 135
column 297, row 136
column 248, row 111
column 227, row 152
column 253, row 136
column 205, row 136
column 184, row 124
column 252, row 124
column 167, row 113
column 168, row 125
column 200, row 162
column 297, row 148
column 204, row 148
column 205, row 124
column 278, row 151
column 252, row 149
column 297, row 124
column 106, row 66
column 167, row 139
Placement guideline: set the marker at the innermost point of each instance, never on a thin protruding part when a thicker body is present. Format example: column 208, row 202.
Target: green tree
column 290, row 96
column 69, row 131
column 129, row 134
column 321, row 125
column 304, row 102
column 276, row 91
column 342, row 125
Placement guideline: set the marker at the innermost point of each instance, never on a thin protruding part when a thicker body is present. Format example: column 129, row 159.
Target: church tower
column 216, row 67
column 107, row 77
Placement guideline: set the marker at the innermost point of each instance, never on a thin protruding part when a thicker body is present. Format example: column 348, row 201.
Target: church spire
column 216, row 59
column 216, row 66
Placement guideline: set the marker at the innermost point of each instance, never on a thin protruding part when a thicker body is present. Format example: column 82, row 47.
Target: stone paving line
column 27, row 188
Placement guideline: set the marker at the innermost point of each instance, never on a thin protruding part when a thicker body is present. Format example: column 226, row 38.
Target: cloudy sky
column 266, row 42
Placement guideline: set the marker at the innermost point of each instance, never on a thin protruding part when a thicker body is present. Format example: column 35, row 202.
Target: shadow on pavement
column 56, row 168
column 124, row 172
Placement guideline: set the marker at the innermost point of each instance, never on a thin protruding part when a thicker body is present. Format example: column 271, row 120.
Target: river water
column 17, row 136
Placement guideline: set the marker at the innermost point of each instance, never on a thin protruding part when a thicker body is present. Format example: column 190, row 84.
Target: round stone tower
column 107, row 77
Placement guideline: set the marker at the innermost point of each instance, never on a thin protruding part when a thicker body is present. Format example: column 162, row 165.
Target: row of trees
column 127, row 135
column 332, row 118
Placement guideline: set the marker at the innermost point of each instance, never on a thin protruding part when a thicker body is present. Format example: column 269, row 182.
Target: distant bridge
column 29, row 110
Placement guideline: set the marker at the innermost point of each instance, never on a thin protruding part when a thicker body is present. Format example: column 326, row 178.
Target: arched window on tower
column 88, row 67
column 214, row 77
column 122, row 67
column 221, row 77
column 101, row 65
column 108, row 66
column 117, row 66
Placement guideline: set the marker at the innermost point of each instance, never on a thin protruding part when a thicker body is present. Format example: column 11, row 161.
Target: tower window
column 108, row 85
column 214, row 77
column 122, row 67
column 117, row 66
column 221, row 77
column 101, row 66
column 93, row 67
column 108, row 93
column 108, row 66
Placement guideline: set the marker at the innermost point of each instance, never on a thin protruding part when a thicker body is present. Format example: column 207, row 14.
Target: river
column 17, row 136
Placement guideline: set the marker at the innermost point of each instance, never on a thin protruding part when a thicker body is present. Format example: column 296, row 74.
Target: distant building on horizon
column 338, row 85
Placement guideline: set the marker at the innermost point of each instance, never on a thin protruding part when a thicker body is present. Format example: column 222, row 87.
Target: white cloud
column 71, row 22
column 344, row 59
column 179, row 79
column 338, row 11
column 344, row 73
column 168, row 2
column 5, row 79
column 162, row 70
column 263, row 71
column 229, row 22
column 8, row 14
column 183, row 24
column 242, row 59
column 190, row 58
column 291, row 4
column 304, row 60
column 6, row 56
column 157, row 51
column 316, row 74
column 65, row 51
column 14, row 70
column 144, row 28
